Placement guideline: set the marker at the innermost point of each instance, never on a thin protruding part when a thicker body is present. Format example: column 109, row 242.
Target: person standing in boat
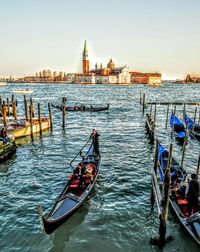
column 192, row 194
column 4, row 136
column 95, row 139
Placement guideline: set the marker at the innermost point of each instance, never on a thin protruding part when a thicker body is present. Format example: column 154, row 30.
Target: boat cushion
column 182, row 202
column 88, row 181
column 73, row 186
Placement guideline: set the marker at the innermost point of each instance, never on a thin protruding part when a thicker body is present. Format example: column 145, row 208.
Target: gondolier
column 192, row 193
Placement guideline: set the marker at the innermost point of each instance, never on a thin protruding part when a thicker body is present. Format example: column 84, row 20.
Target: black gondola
column 178, row 200
column 82, row 108
column 7, row 147
column 76, row 191
column 194, row 128
column 178, row 128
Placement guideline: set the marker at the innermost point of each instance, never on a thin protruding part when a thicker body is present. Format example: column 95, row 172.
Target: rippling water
column 118, row 217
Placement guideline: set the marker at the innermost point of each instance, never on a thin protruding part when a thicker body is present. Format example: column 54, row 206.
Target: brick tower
column 85, row 59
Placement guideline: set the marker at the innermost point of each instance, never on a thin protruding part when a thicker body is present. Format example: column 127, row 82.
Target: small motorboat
column 24, row 91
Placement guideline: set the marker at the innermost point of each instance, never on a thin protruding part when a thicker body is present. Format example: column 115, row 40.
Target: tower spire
column 85, row 50
column 85, row 59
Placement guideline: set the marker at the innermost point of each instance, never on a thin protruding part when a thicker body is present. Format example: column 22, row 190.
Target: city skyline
column 146, row 35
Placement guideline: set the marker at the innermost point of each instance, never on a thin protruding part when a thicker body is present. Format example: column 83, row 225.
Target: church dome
column 110, row 64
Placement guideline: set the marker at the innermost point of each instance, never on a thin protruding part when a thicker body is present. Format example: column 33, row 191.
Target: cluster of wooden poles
column 162, row 200
column 5, row 111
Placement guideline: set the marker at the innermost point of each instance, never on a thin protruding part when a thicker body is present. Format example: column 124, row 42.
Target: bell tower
column 85, row 59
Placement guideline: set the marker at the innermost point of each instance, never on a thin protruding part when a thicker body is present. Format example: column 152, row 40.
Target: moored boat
column 178, row 200
column 7, row 147
column 76, row 190
column 83, row 108
column 22, row 128
column 194, row 128
column 178, row 128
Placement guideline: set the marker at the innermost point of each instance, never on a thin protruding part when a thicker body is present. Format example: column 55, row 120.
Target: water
column 118, row 216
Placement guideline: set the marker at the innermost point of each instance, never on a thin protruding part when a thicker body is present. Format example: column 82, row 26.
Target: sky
column 145, row 35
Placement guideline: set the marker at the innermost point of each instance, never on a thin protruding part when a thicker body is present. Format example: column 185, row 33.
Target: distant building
column 103, row 75
column 193, row 79
column 145, row 78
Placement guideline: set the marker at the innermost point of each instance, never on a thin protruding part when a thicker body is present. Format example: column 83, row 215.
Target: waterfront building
column 145, row 78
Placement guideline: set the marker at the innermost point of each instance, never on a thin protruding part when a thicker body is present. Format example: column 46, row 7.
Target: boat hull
column 7, row 151
column 22, row 131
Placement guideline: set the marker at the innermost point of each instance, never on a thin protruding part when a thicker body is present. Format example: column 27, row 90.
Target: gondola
column 194, row 128
column 75, row 191
column 177, row 200
column 82, row 108
column 178, row 128
column 7, row 147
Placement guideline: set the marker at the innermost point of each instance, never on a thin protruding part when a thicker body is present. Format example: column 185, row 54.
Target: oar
column 80, row 151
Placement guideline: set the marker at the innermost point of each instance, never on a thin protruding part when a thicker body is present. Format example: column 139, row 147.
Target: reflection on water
column 118, row 217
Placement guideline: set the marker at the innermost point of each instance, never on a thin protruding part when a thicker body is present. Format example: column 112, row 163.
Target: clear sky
column 146, row 35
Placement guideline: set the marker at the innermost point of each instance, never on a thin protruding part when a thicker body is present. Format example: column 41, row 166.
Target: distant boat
column 82, row 108
column 2, row 83
column 24, row 91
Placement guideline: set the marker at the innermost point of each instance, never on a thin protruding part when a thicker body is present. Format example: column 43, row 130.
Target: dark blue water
column 118, row 216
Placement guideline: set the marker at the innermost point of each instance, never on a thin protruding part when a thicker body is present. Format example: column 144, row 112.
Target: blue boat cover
column 181, row 134
column 175, row 122
column 189, row 121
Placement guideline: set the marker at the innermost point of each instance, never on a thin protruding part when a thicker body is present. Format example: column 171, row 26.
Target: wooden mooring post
column 195, row 113
column 198, row 167
column 26, row 108
column 150, row 127
column 14, row 110
column 167, row 116
column 150, row 110
column 63, row 112
column 32, row 107
column 40, row 119
column 184, row 111
column 8, row 108
column 184, row 144
column 140, row 98
column 199, row 117
column 50, row 116
column 143, row 103
column 163, row 216
column 31, row 120
column 4, row 114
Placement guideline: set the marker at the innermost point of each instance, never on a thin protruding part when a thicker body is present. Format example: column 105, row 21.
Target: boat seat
column 75, row 183
column 87, row 181
column 182, row 201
